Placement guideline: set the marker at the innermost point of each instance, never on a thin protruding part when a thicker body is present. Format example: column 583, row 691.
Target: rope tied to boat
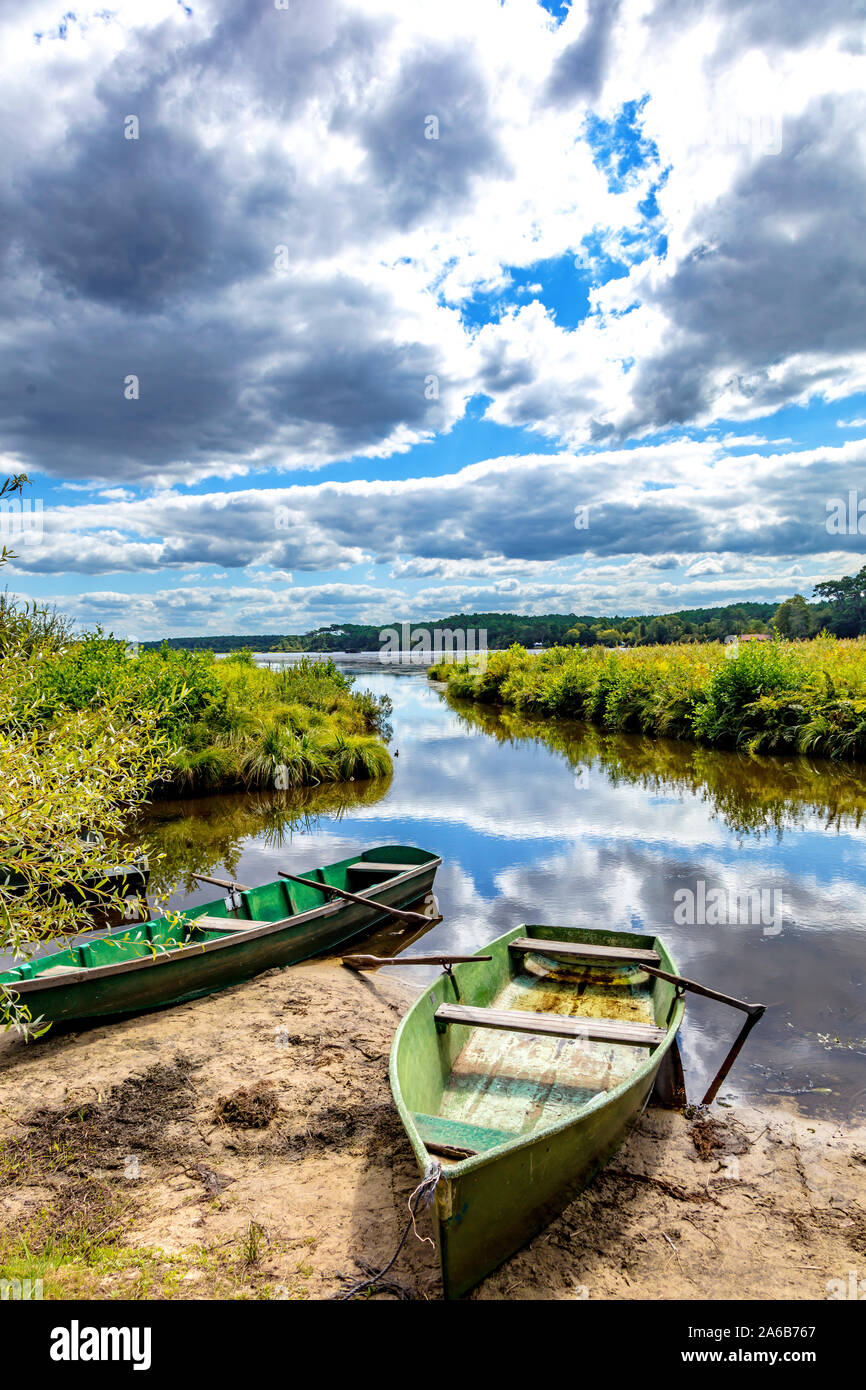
column 422, row 1196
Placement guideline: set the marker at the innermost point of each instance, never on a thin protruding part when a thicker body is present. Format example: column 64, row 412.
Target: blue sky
column 340, row 312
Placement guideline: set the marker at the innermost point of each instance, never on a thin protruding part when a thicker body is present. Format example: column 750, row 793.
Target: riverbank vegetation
column 90, row 733
column 224, row 724
column 767, row 697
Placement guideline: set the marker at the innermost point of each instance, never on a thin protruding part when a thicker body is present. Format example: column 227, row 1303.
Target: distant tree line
column 840, row 608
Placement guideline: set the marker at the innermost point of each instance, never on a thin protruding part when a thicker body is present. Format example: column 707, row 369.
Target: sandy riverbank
column 126, row 1162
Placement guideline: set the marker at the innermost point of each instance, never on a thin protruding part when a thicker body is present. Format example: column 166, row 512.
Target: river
column 752, row 869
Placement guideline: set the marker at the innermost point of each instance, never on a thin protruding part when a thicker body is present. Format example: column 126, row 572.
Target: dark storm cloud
column 211, row 388
column 580, row 69
column 421, row 170
column 134, row 223
column 155, row 256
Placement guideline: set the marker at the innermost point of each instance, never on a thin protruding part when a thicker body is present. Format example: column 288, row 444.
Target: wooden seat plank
column 553, row 1025
column 370, row 866
column 586, row 951
column 227, row 924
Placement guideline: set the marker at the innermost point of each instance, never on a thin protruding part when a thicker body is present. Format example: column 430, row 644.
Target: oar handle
column 222, row 883
column 370, row 962
column 756, row 1010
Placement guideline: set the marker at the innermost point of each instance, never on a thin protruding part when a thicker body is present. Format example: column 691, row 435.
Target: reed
column 231, row 723
column 771, row 697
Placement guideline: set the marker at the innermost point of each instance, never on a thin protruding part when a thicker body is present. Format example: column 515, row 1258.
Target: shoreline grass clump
column 229, row 724
column 767, row 697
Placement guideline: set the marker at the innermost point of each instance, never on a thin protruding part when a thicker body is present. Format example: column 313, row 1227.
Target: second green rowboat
column 183, row 955
column 522, row 1075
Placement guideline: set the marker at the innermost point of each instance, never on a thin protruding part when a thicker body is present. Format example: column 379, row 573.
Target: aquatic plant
column 774, row 696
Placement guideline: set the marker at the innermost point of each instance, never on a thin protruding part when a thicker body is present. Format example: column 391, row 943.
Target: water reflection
column 211, row 835
column 562, row 823
column 753, row 794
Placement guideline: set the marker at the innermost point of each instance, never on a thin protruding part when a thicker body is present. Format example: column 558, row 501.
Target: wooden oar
column 755, row 1014
column 222, row 883
column 402, row 913
column 371, row 962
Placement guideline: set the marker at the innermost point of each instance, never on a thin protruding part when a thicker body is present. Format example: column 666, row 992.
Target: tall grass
column 231, row 724
column 771, row 697
column 297, row 727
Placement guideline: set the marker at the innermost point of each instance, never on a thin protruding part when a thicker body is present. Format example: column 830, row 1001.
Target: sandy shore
column 132, row 1167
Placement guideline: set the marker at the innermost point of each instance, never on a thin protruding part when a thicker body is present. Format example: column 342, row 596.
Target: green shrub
column 772, row 697
column 734, row 709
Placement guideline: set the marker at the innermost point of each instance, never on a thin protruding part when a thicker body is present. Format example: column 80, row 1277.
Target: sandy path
column 128, row 1165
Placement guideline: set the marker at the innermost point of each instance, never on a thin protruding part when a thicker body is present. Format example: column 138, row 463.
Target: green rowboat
column 183, row 955
column 522, row 1075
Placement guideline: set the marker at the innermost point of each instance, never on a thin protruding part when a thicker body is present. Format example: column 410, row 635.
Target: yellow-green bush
column 774, row 696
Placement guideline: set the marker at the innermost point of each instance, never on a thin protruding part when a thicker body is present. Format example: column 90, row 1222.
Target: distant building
column 749, row 637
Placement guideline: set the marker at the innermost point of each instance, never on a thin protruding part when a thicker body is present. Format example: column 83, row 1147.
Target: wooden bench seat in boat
column 62, row 970
column 455, row 1137
column 553, row 1025
column 227, row 924
column 368, row 866
column 585, row 951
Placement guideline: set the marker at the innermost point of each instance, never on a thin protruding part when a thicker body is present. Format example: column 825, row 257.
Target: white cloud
column 306, row 130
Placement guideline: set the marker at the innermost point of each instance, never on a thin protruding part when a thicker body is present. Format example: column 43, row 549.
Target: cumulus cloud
column 288, row 261
column 667, row 525
column 281, row 254
column 660, row 502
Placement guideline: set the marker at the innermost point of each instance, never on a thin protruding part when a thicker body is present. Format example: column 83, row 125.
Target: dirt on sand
column 246, row 1145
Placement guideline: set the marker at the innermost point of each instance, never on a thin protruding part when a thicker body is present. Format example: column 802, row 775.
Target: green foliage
column 88, row 733
column 794, row 618
column 731, row 711
column 846, row 615
column 771, row 697
column 183, row 686
column 241, row 725
column 29, row 628
column 230, row 723
column 64, row 777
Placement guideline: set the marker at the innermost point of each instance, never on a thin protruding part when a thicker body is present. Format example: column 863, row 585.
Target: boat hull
column 488, row 1206
column 172, row 977
column 484, row 1217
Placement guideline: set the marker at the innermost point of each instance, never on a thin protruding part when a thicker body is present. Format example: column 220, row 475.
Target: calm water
column 561, row 824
